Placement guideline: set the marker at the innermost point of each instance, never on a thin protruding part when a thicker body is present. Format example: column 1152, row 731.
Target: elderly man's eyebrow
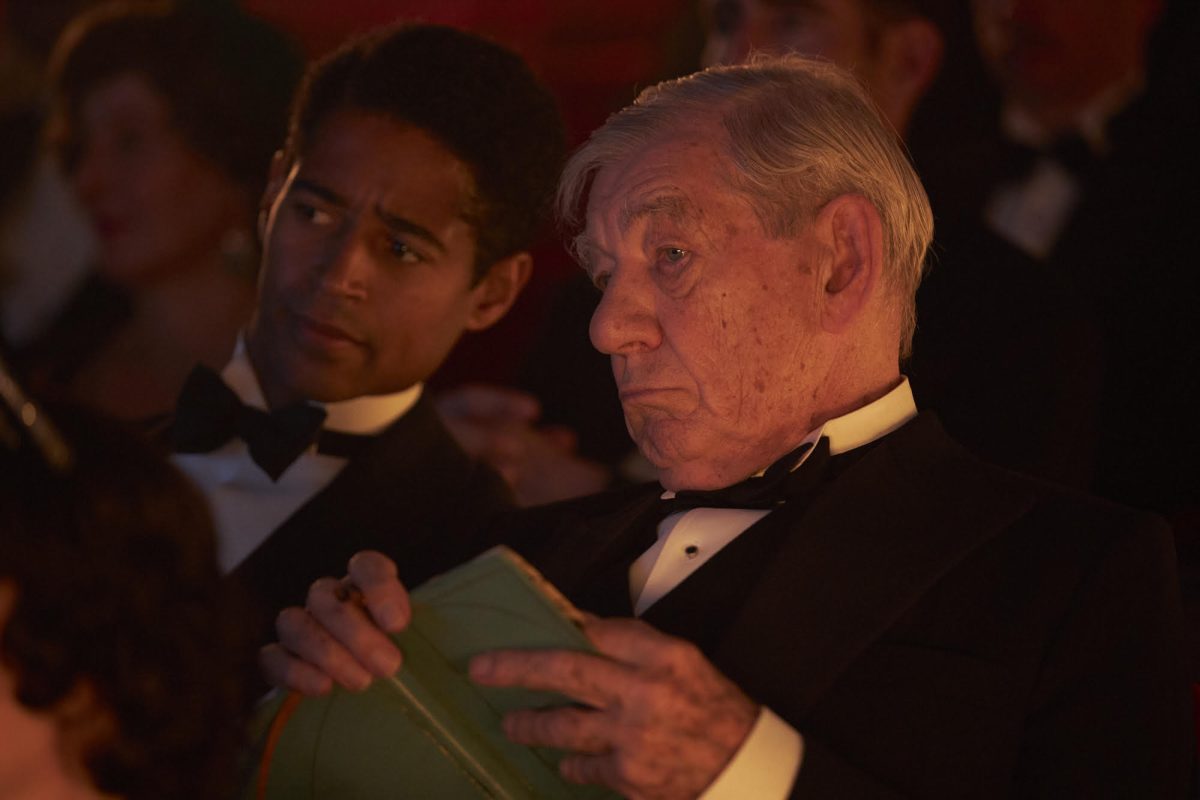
column 676, row 208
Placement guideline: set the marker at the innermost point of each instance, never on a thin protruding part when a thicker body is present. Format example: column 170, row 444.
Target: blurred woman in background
column 121, row 658
column 165, row 119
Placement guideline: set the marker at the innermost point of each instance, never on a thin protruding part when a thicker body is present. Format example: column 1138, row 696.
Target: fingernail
column 384, row 662
column 392, row 616
column 358, row 682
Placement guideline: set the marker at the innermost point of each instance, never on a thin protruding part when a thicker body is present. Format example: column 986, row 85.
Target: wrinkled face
column 1062, row 51
column 156, row 204
column 367, row 264
column 835, row 29
column 712, row 327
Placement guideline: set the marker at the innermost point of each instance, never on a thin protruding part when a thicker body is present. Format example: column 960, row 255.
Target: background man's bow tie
column 1016, row 160
column 209, row 414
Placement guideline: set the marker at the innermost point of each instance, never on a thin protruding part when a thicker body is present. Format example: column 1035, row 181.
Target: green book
column 429, row 731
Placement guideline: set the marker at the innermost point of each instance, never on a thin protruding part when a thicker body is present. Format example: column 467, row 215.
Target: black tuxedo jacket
column 933, row 626
column 412, row 493
column 1008, row 356
column 1128, row 251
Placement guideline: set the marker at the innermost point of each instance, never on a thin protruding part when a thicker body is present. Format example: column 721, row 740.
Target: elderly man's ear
column 497, row 290
column 851, row 235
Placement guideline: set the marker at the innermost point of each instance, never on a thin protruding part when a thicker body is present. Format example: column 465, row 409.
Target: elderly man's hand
column 340, row 634
column 662, row 722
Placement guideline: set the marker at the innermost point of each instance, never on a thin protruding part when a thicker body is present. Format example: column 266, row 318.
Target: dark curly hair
column 475, row 97
column 117, row 592
column 226, row 77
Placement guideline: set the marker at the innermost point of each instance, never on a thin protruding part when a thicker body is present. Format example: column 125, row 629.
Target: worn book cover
column 429, row 732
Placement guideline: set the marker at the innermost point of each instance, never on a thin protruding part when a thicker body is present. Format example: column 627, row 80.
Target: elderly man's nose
column 625, row 320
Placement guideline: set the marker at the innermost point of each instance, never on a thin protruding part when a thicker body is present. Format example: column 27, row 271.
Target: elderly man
column 1025, row 398
column 1022, row 397
column 863, row 609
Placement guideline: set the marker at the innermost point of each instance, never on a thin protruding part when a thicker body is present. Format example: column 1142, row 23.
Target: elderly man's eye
column 600, row 280
column 673, row 256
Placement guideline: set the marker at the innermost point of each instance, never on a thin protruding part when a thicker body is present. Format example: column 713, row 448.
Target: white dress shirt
column 769, row 759
column 246, row 504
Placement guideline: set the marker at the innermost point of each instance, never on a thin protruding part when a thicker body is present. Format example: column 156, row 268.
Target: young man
column 397, row 217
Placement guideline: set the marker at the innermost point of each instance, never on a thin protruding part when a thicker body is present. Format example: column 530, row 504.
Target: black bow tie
column 209, row 414
column 1072, row 152
column 781, row 481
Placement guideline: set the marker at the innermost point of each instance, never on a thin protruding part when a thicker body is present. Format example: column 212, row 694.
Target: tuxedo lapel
column 862, row 555
column 399, row 469
column 588, row 555
column 394, row 496
column 703, row 606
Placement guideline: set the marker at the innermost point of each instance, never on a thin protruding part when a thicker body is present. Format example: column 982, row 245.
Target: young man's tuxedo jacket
column 933, row 626
column 411, row 493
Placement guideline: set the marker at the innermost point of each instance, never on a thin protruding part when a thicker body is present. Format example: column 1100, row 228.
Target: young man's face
column 367, row 275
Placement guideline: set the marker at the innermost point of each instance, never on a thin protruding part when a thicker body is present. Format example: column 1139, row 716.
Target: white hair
column 801, row 132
